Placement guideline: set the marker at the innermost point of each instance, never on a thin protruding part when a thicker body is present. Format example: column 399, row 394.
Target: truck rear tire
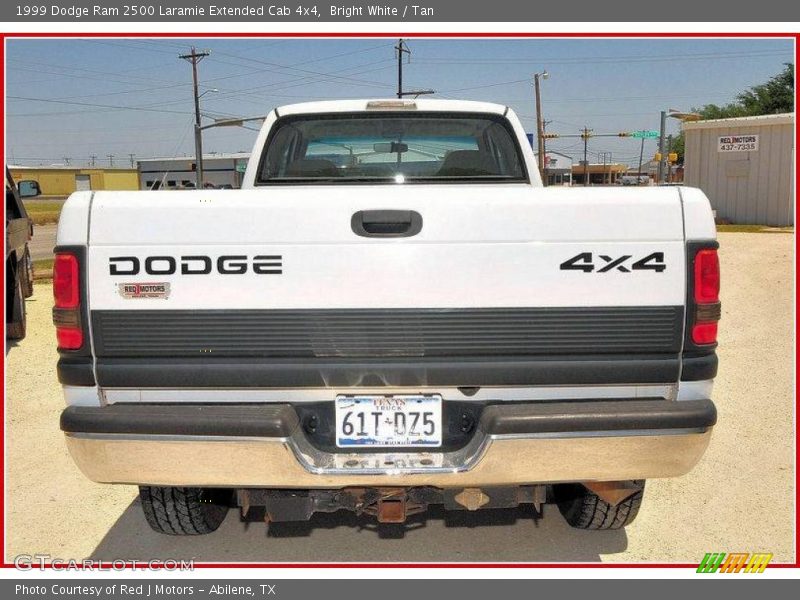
column 184, row 511
column 27, row 279
column 584, row 509
column 15, row 327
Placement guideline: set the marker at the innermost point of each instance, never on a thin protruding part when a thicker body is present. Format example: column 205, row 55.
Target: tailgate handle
column 386, row 223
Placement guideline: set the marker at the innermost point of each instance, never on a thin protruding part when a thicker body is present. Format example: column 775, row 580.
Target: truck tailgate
column 497, row 275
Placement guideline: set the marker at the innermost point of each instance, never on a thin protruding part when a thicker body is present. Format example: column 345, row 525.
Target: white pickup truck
column 391, row 313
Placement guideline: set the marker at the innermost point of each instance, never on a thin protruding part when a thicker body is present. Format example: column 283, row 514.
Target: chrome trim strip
column 695, row 390
column 79, row 395
column 510, row 394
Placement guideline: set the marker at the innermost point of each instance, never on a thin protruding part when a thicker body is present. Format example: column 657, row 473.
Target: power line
column 94, row 105
column 488, row 85
column 606, row 59
column 294, row 83
column 293, row 68
column 226, row 94
column 106, row 74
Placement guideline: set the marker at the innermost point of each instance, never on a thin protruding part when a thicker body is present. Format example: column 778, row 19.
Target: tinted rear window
column 391, row 148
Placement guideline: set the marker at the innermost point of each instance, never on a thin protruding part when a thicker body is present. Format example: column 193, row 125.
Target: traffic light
column 657, row 157
column 673, row 157
column 624, row 134
column 550, row 136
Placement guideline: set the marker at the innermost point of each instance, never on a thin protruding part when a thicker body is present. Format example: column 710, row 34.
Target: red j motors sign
column 738, row 143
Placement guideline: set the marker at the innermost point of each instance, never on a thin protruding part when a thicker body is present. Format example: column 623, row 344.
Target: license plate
column 389, row 421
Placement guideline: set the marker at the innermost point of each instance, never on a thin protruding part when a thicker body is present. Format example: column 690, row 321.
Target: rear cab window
column 385, row 147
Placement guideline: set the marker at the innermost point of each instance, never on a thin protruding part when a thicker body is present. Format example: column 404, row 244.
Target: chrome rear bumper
column 264, row 446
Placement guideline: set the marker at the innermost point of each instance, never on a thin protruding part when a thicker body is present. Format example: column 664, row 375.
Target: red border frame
column 411, row 35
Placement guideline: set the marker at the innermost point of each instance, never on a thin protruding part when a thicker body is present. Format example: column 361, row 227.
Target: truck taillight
column 67, row 309
column 706, row 276
column 706, row 296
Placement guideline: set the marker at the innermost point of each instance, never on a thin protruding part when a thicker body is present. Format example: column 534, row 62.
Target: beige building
column 63, row 180
column 745, row 166
column 599, row 173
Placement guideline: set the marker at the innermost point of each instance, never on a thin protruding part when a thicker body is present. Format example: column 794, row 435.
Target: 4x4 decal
column 585, row 262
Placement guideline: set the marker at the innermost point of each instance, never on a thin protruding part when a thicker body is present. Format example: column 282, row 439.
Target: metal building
column 219, row 170
column 62, row 180
column 745, row 166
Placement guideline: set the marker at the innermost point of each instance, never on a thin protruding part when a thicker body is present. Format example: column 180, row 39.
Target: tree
column 772, row 97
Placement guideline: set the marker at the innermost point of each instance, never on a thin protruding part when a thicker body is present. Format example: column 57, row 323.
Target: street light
column 662, row 138
column 233, row 122
column 226, row 122
column 198, row 139
column 684, row 116
column 539, row 122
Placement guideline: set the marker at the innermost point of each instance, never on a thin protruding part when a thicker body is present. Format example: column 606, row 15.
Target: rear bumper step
column 264, row 446
column 314, row 373
column 281, row 421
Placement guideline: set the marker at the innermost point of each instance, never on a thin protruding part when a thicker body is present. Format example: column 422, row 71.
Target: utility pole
column 540, row 123
column 586, row 134
column 132, row 161
column 661, row 140
column 194, row 58
column 545, row 123
column 401, row 48
column 669, row 163
column 604, row 166
column 93, row 158
column 110, row 158
column 639, row 172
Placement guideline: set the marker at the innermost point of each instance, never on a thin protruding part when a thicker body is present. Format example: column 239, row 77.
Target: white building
column 745, row 166
column 558, row 168
column 219, row 170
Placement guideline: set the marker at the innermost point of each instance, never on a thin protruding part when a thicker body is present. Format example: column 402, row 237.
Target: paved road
column 738, row 498
column 44, row 239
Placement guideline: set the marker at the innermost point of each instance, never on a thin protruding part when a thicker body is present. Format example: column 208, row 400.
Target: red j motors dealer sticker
column 144, row 290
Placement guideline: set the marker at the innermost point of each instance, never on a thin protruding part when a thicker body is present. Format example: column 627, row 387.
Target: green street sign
column 241, row 167
column 645, row 133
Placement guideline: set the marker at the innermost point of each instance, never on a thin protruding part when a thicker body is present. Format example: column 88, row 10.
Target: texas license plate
column 384, row 421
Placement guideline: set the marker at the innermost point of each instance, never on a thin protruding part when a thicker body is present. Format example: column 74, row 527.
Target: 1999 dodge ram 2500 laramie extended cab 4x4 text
column 391, row 313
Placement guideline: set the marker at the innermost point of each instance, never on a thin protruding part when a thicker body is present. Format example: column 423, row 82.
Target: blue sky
column 75, row 98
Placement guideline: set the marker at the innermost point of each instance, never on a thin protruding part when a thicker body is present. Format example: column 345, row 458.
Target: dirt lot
column 43, row 242
column 740, row 497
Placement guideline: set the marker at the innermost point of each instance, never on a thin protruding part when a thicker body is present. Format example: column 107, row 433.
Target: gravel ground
column 739, row 498
column 43, row 242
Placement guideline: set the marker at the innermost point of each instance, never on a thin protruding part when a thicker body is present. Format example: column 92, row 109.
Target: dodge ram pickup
column 391, row 313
